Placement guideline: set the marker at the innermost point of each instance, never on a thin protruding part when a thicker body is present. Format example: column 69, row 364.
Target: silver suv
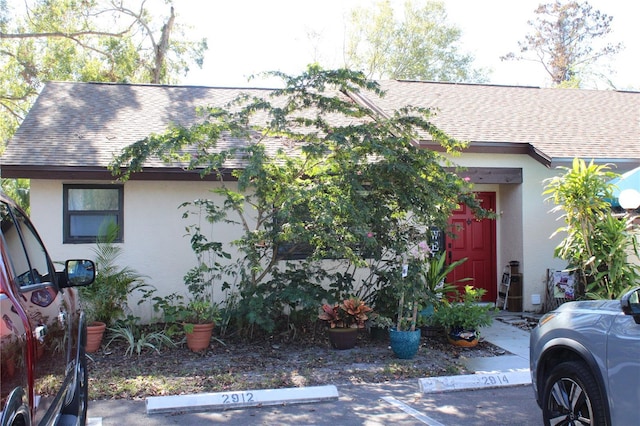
column 585, row 362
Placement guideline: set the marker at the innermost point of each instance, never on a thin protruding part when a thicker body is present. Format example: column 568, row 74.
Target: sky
column 246, row 37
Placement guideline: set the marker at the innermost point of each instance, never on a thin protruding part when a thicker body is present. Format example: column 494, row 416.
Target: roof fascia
column 102, row 173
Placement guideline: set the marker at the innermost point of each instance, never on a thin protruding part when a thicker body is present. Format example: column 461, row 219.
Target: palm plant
column 106, row 299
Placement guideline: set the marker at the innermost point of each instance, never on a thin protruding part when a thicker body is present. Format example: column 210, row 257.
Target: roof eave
column 104, row 174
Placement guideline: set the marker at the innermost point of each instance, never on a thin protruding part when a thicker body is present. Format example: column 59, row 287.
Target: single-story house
column 517, row 136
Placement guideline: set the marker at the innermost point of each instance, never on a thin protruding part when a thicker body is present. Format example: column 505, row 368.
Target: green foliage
column 424, row 284
column 344, row 187
column 597, row 242
column 379, row 321
column 415, row 43
column 18, row 190
column 566, row 38
column 175, row 310
column 467, row 312
column 105, row 299
column 137, row 338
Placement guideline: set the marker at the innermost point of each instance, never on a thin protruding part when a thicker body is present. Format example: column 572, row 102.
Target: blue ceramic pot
column 404, row 344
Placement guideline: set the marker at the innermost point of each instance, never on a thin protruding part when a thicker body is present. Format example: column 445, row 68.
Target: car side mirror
column 78, row 273
column 631, row 304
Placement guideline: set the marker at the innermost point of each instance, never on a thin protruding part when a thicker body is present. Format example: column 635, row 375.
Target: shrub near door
column 463, row 317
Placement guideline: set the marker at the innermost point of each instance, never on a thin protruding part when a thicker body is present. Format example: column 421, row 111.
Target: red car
column 42, row 330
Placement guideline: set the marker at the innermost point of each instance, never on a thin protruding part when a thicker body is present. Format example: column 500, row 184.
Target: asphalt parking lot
column 399, row 403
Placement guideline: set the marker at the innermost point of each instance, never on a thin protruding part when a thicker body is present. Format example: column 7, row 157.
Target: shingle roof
column 558, row 123
column 76, row 125
column 85, row 124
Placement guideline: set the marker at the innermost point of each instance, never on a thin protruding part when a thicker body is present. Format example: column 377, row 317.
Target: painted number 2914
column 495, row 380
column 237, row 398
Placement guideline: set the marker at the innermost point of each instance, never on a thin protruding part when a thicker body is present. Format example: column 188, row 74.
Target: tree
column 564, row 40
column 350, row 188
column 597, row 242
column 420, row 46
column 89, row 40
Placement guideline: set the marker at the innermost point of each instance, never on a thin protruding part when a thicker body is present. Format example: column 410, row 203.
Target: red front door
column 476, row 240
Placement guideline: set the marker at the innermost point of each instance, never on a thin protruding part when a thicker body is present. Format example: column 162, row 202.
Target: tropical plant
column 105, row 300
column 597, row 242
column 466, row 312
column 200, row 281
column 136, row 338
column 350, row 313
column 423, row 283
column 176, row 310
column 435, row 277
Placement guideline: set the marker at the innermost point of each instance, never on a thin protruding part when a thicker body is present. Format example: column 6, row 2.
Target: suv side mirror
column 631, row 304
column 78, row 273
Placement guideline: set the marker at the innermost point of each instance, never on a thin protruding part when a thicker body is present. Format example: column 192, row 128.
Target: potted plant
column 197, row 317
column 378, row 326
column 422, row 286
column 345, row 319
column 463, row 318
column 436, row 288
column 105, row 301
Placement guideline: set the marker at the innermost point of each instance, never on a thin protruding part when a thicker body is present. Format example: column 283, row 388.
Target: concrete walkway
column 511, row 369
column 508, row 337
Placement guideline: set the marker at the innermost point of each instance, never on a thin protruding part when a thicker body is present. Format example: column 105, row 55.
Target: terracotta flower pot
column 199, row 339
column 462, row 338
column 343, row 338
column 95, row 332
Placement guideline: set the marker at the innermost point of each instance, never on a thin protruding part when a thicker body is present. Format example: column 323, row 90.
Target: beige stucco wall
column 155, row 244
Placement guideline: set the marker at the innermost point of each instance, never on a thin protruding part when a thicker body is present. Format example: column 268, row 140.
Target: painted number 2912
column 237, row 398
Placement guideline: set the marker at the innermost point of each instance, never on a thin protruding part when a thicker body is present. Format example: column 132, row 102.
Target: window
column 89, row 208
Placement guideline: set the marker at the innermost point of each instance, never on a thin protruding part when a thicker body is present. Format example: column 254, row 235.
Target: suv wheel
column 78, row 405
column 571, row 396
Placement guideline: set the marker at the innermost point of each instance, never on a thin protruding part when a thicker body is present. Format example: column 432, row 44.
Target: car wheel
column 572, row 397
column 78, row 405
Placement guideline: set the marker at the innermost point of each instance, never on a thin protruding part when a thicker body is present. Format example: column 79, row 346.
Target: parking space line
column 414, row 413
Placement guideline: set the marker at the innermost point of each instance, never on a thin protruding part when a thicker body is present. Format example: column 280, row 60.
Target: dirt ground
column 269, row 362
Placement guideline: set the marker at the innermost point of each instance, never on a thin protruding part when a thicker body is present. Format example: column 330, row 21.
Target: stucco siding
column 154, row 245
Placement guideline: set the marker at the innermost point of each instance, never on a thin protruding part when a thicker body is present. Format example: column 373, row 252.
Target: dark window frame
column 66, row 233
